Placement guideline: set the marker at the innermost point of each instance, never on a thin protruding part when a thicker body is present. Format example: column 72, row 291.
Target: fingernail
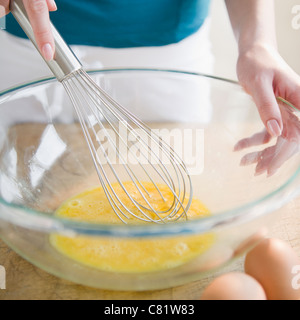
column 259, row 170
column 273, row 128
column 271, row 173
column 54, row 5
column 47, row 52
column 258, row 173
column 236, row 148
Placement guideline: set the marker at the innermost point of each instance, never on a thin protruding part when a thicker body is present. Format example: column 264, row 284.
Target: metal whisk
column 136, row 168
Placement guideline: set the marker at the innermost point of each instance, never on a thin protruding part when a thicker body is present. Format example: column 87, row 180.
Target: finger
column 286, row 151
column 257, row 139
column 51, row 5
column 4, row 8
column 251, row 158
column 285, row 105
column 38, row 14
column 290, row 120
column 291, row 92
column 265, row 160
column 267, row 106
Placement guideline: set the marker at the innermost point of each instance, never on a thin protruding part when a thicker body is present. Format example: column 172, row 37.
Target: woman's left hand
column 265, row 75
column 271, row 158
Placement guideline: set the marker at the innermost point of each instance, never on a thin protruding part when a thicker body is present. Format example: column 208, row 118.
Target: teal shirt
column 124, row 23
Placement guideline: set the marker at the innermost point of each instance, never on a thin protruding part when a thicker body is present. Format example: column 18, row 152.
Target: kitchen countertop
column 25, row 281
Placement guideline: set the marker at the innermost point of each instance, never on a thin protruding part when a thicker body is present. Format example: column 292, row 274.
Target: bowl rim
column 41, row 221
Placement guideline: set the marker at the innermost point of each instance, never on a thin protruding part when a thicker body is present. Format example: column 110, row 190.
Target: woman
column 160, row 30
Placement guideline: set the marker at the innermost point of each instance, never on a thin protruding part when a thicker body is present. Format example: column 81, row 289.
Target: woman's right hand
column 4, row 7
column 38, row 13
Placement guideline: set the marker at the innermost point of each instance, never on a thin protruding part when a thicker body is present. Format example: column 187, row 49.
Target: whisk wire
column 104, row 185
column 127, row 168
column 149, row 133
column 94, row 106
column 95, row 153
column 171, row 188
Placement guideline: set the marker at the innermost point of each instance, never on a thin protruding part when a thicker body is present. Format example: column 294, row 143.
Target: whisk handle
column 64, row 62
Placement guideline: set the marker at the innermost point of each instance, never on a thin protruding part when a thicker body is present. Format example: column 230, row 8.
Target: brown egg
column 275, row 265
column 251, row 241
column 234, row 286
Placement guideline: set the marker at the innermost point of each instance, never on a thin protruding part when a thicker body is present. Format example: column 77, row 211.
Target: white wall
column 224, row 45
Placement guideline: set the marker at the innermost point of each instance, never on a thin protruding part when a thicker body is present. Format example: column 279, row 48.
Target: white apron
column 20, row 63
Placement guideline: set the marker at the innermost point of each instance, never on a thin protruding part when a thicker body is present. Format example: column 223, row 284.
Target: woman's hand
column 265, row 75
column 4, row 7
column 271, row 158
column 38, row 13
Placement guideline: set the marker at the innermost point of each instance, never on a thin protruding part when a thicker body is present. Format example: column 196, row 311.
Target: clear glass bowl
column 44, row 160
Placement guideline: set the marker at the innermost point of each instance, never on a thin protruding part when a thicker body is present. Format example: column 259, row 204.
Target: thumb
column 269, row 111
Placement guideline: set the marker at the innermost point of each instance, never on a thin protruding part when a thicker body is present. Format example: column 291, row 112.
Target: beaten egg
column 124, row 254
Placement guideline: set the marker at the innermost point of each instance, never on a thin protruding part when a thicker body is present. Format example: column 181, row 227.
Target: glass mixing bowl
column 44, row 160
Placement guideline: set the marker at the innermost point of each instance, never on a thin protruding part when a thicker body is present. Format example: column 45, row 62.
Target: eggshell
column 275, row 265
column 251, row 241
column 234, row 286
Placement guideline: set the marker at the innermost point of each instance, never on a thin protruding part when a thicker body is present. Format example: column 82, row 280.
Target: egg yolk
column 123, row 254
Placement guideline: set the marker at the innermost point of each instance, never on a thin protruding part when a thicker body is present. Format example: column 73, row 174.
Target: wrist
column 257, row 48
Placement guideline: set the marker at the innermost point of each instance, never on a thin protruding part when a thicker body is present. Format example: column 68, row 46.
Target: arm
column 38, row 13
column 252, row 22
column 261, row 70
